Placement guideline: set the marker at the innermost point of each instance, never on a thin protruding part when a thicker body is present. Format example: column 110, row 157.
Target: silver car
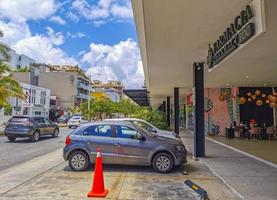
column 146, row 125
column 122, row 143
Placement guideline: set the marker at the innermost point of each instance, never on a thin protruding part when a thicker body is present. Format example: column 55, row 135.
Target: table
column 230, row 133
column 263, row 134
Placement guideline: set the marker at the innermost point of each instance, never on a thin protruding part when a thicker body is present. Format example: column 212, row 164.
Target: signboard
column 249, row 23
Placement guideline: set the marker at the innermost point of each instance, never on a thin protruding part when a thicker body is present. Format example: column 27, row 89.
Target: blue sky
column 98, row 35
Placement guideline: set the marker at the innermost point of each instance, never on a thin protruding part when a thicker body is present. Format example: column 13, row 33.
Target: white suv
column 75, row 121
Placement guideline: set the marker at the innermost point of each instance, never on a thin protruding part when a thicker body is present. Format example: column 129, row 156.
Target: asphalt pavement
column 14, row 153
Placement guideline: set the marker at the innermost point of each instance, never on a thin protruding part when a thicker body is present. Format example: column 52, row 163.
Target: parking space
column 123, row 182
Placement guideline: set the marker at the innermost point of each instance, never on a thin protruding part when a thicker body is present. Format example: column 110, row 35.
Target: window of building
column 33, row 96
column 37, row 112
column 42, row 97
column 29, row 95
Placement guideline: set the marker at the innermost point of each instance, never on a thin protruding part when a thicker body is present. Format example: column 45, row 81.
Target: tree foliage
column 105, row 108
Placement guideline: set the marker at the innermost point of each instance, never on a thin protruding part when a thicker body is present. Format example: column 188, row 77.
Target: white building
column 37, row 102
column 18, row 61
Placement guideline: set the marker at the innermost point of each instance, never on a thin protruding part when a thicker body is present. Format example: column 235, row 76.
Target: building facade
column 37, row 102
column 69, row 86
column 19, row 61
column 112, row 90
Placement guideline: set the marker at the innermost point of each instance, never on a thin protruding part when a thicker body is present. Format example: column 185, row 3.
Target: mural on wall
column 224, row 110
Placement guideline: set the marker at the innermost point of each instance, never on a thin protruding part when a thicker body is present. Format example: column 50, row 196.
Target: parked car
column 146, row 125
column 32, row 127
column 63, row 119
column 122, row 143
column 75, row 121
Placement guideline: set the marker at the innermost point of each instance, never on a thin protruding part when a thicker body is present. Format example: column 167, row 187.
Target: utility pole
column 89, row 97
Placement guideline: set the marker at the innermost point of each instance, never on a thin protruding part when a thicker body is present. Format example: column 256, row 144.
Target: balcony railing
column 83, row 96
column 83, row 86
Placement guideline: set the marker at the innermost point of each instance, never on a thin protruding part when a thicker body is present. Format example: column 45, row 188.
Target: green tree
column 107, row 108
column 9, row 87
column 75, row 110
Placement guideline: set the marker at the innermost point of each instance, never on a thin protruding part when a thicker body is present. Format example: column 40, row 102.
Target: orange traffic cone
column 98, row 188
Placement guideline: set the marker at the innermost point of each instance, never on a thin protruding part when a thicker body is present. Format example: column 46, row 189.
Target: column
column 168, row 111
column 199, row 124
column 176, row 110
column 185, row 116
column 163, row 107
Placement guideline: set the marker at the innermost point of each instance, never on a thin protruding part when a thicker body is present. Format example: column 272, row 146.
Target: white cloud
column 76, row 35
column 122, row 12
column 119, row 62
column 58, row 20
column 14, row 15
column 103, row 10
column 42, row 48
column 22, row 10
column 14, row 31
column 73, row 17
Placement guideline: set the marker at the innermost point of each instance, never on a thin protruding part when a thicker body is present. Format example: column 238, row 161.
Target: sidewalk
column 248, row 177
column 123, row 182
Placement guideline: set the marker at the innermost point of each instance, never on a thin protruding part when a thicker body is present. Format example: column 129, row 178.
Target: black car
column 63, row 119
column 32, row 127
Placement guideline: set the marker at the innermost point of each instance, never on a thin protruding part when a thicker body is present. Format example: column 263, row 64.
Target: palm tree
column 9, row 87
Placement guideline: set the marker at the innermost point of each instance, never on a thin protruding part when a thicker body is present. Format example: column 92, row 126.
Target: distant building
column 38, row 98
column 69, row 85
column 37, row 102
column 111, row 90
column 19, row 61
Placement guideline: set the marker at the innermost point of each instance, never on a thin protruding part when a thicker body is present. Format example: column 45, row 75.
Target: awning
column 140, row 96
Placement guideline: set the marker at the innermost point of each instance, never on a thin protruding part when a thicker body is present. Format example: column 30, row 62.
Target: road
column 14, row 153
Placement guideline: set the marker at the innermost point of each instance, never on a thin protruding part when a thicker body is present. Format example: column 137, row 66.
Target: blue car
column 31, row 127
column 123, row 143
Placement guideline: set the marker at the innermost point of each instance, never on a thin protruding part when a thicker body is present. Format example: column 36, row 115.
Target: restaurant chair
column 255, row 131
column 270, row 132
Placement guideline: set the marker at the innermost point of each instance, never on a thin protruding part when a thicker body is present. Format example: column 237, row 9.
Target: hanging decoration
column 222, row 98
column 253, row 96
column 272, row 98
column 273, row 105
column 258, row 92
column 259, row 102
column 259, row 98
column 242, row 100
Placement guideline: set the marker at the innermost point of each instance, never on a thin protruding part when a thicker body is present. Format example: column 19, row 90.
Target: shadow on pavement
column 28, row 140
column 126, row 168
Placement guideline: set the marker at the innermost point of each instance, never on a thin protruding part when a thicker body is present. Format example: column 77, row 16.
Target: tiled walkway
column 250, row 178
